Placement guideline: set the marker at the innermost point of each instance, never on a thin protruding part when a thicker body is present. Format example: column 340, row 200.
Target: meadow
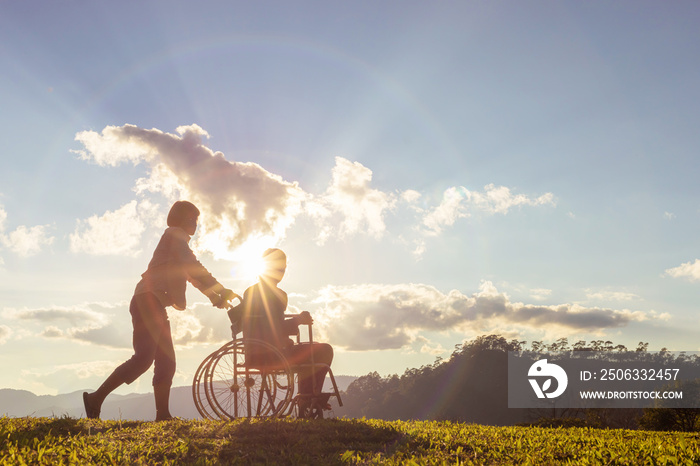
column 55, row 441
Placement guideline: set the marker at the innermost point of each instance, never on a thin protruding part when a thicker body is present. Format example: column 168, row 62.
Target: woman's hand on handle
column 223, row 298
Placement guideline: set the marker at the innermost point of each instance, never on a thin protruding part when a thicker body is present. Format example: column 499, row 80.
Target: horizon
column 434, row 173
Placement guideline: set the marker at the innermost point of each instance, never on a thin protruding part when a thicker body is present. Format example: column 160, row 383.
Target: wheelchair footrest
column 317, row 401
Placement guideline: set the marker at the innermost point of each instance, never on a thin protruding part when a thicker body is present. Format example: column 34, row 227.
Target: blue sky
column 435, row 172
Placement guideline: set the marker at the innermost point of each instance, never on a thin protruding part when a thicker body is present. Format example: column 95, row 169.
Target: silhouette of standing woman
column 162, row 285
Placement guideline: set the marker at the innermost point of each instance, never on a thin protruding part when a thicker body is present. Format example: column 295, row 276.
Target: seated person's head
column 275, row 265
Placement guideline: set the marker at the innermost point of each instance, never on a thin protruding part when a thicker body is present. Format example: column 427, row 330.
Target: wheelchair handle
column 235, row 295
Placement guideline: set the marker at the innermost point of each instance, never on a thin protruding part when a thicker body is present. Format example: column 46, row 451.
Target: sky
column 435, row 171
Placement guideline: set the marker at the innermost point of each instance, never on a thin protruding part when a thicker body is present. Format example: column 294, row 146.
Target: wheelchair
column 250, row 378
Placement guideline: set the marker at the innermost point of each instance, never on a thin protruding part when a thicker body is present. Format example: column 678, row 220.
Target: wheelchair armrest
column 298, row 333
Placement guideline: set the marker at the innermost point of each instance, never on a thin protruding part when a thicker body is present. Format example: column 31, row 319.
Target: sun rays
column 247, row 260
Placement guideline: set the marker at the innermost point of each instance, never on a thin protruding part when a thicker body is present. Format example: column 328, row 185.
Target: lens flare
column 247, row 260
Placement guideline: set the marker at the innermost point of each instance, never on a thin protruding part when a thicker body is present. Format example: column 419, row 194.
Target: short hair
column 180, row 211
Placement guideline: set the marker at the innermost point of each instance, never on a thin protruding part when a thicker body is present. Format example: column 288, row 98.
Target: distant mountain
column 342, row 381
column 19, row 403
column 135, row 406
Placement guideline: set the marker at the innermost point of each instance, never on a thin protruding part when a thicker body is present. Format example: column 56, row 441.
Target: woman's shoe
column 91, row 411
column 164, row 417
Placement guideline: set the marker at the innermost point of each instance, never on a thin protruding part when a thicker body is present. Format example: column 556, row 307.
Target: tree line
column 472, row 386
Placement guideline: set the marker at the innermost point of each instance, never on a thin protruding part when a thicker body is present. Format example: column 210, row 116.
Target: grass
column 55, row 441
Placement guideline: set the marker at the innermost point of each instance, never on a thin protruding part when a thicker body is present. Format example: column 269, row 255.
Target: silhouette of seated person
column 260, row 315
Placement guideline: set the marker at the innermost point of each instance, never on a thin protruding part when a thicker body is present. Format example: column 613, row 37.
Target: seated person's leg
column 322, row 353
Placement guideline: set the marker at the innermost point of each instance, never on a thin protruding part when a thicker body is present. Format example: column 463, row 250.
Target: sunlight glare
column 248, row 263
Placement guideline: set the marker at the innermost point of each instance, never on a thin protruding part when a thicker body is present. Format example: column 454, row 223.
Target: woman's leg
column 93, row 401
column 147, row 315
column 163, row 373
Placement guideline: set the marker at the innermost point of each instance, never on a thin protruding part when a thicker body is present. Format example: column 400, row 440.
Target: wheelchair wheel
column 199, row 387
column 239, row 384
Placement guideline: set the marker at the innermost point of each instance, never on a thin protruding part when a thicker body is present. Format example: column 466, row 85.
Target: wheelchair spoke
column 228, row 386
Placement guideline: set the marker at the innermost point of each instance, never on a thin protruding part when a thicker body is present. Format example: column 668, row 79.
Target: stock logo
column 548, row 371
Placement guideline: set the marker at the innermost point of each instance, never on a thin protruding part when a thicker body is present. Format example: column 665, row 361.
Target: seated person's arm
column 304, row 318
column 290, row 326
column 292, row 323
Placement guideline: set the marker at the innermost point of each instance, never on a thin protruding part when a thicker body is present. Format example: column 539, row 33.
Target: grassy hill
column 332, row 441
column 136, row 406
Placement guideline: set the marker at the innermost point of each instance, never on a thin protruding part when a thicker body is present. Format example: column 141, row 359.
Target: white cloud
column 458, row 202
column 113, row 146
column 111, row 334
column 76, row 315
column 86, row 323
column 239, row 201
column 450, row 209
column 687, row 270
column 52, row 332
column 374, row 316
column 498, row 199
column 419, row 249
column 410, row 196
column 428, row 347
column 540, row 294
column 200, row 324
column 350, row 196
column 243, row 204
column 27, row 241
column 611, row 295
column 115, row 232
column 110, row 325
column 90, row 324
column 24, row 241
column 5, row 333
column 3, row 218
column 186, row 328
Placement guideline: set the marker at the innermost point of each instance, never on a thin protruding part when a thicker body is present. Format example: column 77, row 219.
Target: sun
column 248, row 263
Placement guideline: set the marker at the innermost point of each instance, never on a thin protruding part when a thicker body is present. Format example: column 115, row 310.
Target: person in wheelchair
column 261, row 315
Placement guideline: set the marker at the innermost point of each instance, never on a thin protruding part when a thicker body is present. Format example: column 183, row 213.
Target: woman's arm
column 198, row 275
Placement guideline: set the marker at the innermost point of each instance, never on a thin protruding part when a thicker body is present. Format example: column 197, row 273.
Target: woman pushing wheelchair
column 162, row 285
column 261, row 316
